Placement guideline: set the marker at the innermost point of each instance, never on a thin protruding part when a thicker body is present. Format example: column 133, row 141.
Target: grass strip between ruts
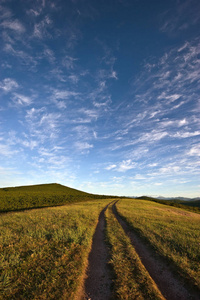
column 132, row 281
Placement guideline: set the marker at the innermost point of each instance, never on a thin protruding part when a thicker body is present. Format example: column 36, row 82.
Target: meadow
column 44, row 252
column 172, row 232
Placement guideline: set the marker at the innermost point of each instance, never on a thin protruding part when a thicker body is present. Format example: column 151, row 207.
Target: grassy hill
column 35, row 196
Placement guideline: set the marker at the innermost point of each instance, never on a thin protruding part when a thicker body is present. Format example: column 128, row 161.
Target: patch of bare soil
column 98, row 279
column 171, row 287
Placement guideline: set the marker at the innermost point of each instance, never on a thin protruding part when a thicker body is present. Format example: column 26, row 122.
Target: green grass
column 173, row 232
column 193, row 206
column 26, row 197
column 132, row 281
column 43, row 252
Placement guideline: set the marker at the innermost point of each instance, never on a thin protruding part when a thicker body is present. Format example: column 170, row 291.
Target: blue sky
column 102, row 96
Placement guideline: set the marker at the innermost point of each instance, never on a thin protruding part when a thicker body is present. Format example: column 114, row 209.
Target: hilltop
column 43, row 195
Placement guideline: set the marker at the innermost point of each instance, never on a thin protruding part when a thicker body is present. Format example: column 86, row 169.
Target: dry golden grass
column 132, row 281
column 44, row 251
column 173, row 232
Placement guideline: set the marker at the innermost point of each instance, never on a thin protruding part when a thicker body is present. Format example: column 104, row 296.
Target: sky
column 101, row 95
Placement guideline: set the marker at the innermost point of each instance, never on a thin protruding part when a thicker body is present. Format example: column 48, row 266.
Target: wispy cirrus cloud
column 14, row 25
column 41, row 29
column 8, row 85
column 181, row 17
column 63, row 94
column 5, row 13
column 42, row 124
column 194, row 150
column 83, row 147
column 186, row 134
column 69, row 62
column 122, row 166
column 21, row 100
column 62, row 97
column 110, row 167
column 49, row 55
column 24, row 57
column 158, row 96
column 6, row 150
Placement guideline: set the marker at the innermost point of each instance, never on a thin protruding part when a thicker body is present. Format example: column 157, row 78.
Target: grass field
column 43, row 252
column 173, row 232
column 132, row 281
column 193, row 206
column 26, row 197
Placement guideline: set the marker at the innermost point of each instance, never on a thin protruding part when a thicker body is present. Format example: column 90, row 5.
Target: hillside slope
column 187, row 205
column 34, row 196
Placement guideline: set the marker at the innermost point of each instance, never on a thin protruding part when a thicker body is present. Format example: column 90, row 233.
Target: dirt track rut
column 98, row 280
column 169, row 285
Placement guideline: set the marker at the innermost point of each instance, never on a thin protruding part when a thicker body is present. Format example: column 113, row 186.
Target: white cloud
column 63, row 94
column 139, row 177
column 15, row 25
column 69, row 62
column 8, row 84
column 153, row 165
column 43, row 124
column 171, row 98
column 5, row 150
column 20, row 99
column 25, row 58
column 110, row 167
column 40, row 29
column 5, row 13
column 183, row 15
column 114, row 75
column 95, row 134
column 30, row 144
column 61, row 104
column 194, row 151
column 183, row 122
column 49, row 54
column 153, row 136
column 169, row 169
column 74, row 78
column 186, row 134
column 126, row 165
column 175, row 123
column 183, row 47
column 91, row 113
column 83, row 146
column 34, row 12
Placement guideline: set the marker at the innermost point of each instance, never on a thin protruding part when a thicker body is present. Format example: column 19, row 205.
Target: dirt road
column 98, row 283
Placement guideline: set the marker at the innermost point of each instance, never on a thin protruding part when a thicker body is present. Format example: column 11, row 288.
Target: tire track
column 170, row 286
column 98, row 279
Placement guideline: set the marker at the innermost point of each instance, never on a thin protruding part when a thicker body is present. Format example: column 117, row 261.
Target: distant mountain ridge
column 179, row 198
column 170, row 198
